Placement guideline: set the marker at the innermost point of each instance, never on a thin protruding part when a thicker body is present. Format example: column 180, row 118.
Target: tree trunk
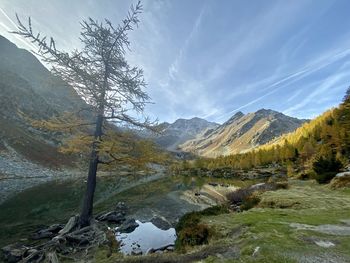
column 87, row 209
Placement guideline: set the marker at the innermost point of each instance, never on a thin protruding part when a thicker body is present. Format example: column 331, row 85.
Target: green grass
column 266, row 226
column 269, row 228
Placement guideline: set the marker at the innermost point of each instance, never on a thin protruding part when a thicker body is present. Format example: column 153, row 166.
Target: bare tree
column 101, row 75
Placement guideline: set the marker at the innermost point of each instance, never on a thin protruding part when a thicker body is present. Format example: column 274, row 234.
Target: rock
column 324, row 243
column 14, row 253
column 70, row 226
column 162, row 249
column 256, row 251
column 170, row 248
column 161, row 223
column 341, row 180
column 121, row 208
column 112, row 217
column 136, row 252
column 128, row 226
column 343, row 174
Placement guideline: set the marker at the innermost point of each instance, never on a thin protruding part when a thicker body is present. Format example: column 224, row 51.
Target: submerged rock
column 128, row 226
column 161, row 223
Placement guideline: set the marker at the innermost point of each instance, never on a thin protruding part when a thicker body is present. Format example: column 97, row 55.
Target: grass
column 267, row 226
column 235, row 236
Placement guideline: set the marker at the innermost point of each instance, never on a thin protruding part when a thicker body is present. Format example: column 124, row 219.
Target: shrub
column 326, row 168
column 188, row 220
column 250, row 202
column 191, row 236
column 190, row 232
column 238, row 196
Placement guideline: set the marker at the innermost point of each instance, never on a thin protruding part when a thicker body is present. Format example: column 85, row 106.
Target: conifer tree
column 101, row 75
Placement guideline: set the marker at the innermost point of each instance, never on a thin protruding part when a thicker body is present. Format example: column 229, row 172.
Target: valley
column 245, row 165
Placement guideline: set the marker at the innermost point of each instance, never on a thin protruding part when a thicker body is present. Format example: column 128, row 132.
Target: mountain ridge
column 171, row 135
column 242, row 132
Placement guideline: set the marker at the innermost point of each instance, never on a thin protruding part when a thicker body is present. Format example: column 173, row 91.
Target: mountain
column 173, row 134
column 242, row 132
column 29, row 89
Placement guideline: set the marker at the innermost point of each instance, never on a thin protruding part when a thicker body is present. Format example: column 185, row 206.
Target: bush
column 237, row 197
column 192, row 236
column 326, row 168
column 250, row 202
column 188, row 220
column 189, row 230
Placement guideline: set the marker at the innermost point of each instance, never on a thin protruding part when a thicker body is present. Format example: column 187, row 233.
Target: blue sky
column 213, row 58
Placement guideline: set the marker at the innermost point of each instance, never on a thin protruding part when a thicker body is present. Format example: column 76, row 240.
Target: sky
column 211, row 58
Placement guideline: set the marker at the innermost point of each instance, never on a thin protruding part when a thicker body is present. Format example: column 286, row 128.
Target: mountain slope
column 173, row 134
column 28, row 88
column 242, row 132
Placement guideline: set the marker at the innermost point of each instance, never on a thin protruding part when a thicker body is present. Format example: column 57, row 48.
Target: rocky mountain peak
column 242, row 132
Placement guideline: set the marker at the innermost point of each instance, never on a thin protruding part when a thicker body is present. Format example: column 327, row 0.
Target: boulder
column 128, row 226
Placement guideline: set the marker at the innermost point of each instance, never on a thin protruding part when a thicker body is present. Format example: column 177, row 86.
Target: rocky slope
column 173, row 134
column 242, row 132
column 28, row 89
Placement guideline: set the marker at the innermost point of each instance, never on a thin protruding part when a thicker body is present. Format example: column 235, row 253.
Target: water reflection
column 144, row 238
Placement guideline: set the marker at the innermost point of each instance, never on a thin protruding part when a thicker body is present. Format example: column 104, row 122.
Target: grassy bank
column 273, row 231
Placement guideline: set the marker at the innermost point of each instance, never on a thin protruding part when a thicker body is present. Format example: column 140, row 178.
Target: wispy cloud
column 211, row 59
column 12, row 26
